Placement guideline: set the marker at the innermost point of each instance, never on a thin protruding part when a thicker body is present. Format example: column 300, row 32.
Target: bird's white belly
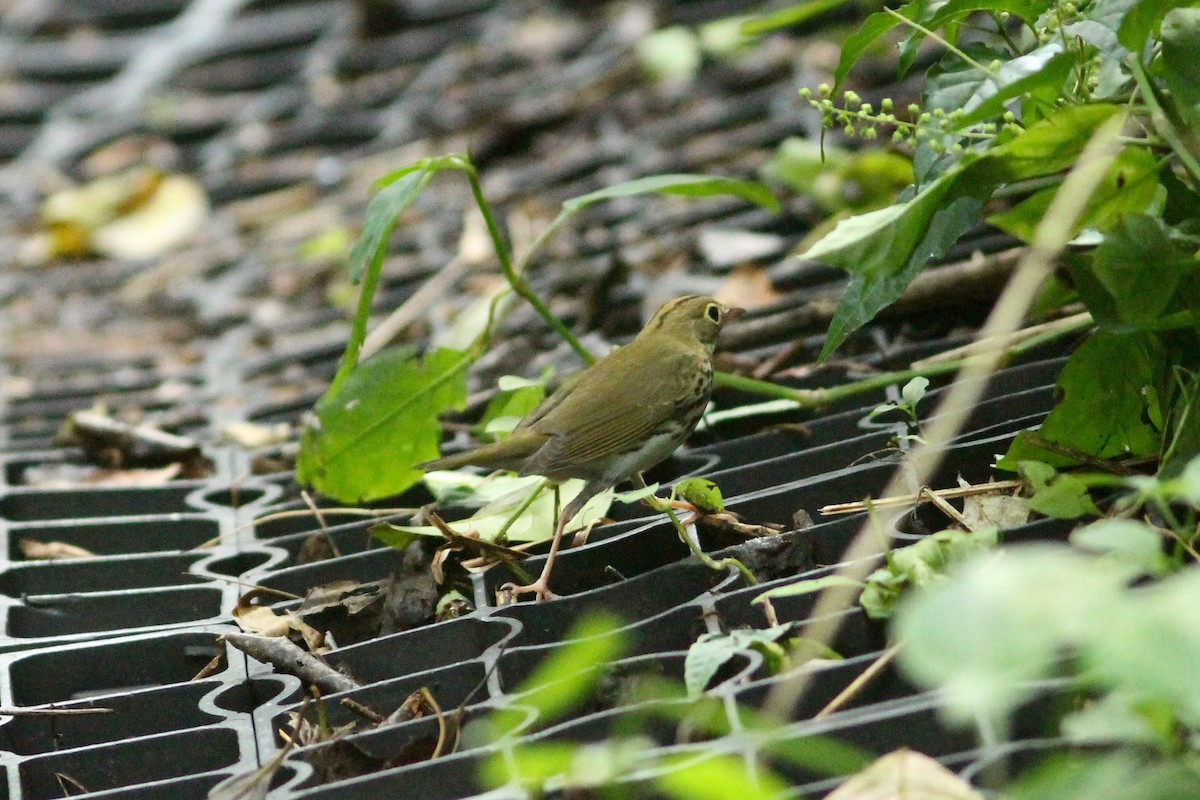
column 656, row 448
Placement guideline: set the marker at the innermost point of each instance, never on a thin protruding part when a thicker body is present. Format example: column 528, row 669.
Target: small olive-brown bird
column 620, row 416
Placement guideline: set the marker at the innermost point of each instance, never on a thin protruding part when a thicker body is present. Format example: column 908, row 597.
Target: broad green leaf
column 953, row 83
column 370, row 436
column 1026, row 10
column 1133, row 542
column 685, row 185
column 857, row 43
column 999, row 622
column 1142, row 20
column 885, row 249
column 1140, row 267
column 1109, row 404
column 1044, row 69
column 1111, row 719
column 512, row 405
column 1045, row 148
column 565, row 679
column 1130, row 186
column 1151, row 644
column 869, row 292
column 1064, row 497
column 1181, row 67
column 380, row 219
column 1100, row 22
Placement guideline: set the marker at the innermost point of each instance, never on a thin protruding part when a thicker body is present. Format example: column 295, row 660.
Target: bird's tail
column 507, row 453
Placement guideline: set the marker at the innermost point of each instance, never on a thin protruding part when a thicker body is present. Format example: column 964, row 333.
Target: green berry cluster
column 938, row 129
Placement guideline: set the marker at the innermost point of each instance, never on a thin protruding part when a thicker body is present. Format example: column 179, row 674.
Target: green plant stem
column 515, row 277
column 817, row 398
column 930, row 34
column 705, row 558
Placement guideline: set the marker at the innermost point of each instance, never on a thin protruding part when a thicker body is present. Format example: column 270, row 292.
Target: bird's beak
column 733, row 313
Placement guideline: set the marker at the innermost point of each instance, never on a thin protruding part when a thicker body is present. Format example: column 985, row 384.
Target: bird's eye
column 713, row 312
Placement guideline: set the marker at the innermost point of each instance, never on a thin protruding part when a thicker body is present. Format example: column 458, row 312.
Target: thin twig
column 290, row 659
column 942, row 505
column 441, row 719
column 51, row 711
column 858, row 684
column 912, row 499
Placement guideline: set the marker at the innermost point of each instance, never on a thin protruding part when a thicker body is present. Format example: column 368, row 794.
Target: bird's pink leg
column 540, row 588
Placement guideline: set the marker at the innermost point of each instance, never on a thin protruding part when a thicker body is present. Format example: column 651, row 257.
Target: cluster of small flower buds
column 942, row 131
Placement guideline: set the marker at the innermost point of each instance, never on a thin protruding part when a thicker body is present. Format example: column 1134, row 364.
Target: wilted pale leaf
column 905, row 775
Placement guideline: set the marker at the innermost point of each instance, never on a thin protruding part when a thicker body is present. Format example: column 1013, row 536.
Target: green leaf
column 712, row 651
column 1131, row 186
column 1142, row 20
column 1181, row 67
column 996, row 624
column 914, row 391
column 1100, row 22
column 807, row 587
column 918, row 565
column 718, row 777
column 534, row 524
column 370, row 436
column 1045, row 148
column 381, row 217
column 511, row 404
column 877, row 287
column 1109, row 403
column 1151, row 645
column 702, row 493
column 1024, row 9
column 1043, row 70
column 1135, row 543
column 1066, row 497
column 952, row 83
column 857, row 43
column 565, row 679
column 885, row 249
column 685, row 185
column 1140, row 267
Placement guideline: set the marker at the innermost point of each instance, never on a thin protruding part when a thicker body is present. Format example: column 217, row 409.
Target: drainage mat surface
column 269, row 122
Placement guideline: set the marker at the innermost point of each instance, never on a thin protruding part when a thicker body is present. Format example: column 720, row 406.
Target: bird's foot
column 510, row 592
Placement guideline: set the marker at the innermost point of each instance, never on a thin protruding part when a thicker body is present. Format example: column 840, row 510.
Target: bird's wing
column 586, row 425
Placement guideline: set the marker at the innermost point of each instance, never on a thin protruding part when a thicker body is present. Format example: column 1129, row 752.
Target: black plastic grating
column 286, row 112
